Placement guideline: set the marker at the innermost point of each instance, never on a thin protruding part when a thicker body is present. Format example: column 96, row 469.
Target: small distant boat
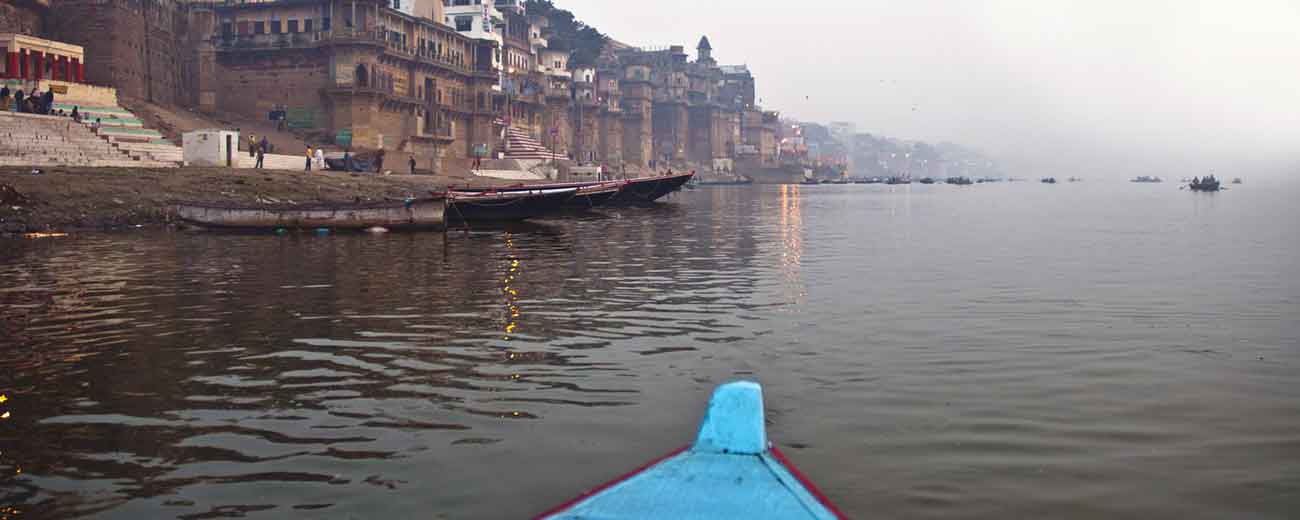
column 1145, row 178
column 1209, row 183
column 1049, row 180
column 926, row 180
column 1074, row 179
column 505, row 206
column 960, row 181
column 414, row 214
column 737, row 180
column 899, row 180
column 1236, row 180
column 731, row 471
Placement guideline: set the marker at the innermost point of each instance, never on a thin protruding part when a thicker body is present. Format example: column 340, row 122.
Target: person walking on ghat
column 252, row 144
column 261, row 155
column 379, row 161
column 310, row 156
column 320, row 159
column 4, row 98
column 412, row 164
column 265, row 145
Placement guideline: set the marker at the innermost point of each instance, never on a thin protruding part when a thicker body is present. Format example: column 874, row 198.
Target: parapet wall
column 71, row 93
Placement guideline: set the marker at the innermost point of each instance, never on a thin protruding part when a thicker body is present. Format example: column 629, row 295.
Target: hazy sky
column 1084, row 87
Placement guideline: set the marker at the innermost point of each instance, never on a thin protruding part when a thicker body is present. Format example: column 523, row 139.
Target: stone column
column 67, row 69
column 80, row 69
column 55, row 63
column 11, row 65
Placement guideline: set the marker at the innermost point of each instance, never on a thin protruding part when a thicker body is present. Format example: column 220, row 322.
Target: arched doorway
column 362, row 79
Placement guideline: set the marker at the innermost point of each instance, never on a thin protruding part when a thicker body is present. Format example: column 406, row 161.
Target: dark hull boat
column 416, row 214
column 731, row 471
column 594, row 196
column 644, row 191
column 505, row 206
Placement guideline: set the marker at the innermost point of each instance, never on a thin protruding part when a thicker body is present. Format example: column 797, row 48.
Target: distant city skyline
column 1113, row 88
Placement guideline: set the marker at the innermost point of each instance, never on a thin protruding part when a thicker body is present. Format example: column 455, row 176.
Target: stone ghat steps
column 37, row 140
column 520, row 145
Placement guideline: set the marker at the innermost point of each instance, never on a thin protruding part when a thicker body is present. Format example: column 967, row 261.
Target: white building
column 210, row 147
column 428, row 9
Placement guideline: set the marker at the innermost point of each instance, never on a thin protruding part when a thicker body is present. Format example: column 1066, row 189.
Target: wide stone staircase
column 521, row 146
column 127, row 132
column 37, row 140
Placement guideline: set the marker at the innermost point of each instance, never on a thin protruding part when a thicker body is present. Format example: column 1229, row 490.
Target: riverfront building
column 442, row 80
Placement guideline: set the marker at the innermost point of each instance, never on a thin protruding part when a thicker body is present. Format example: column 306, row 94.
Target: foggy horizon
column 1106, row 89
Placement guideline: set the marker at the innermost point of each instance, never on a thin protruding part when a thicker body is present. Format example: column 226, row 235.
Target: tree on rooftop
column 569, row 33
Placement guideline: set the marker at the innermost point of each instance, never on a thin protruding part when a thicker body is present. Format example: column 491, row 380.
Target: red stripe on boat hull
column 807, row 484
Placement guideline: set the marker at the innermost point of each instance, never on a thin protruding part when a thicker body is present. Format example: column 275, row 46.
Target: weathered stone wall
column 20, row 19
column 133, row 45
column 252, row 84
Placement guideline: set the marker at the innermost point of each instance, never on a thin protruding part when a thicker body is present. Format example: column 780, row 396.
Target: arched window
column 362, row 79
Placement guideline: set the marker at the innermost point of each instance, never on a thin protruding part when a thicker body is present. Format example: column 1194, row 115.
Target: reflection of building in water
column 791, row 229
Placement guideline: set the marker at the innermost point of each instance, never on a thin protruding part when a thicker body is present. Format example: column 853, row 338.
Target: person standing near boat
column 261, row 155
column 412, row 164
column 379, row 161
column 310, row 156
column 252, row 145
column 320, row 159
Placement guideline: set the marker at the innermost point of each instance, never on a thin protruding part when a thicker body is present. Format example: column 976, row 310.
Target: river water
column 1016, row 350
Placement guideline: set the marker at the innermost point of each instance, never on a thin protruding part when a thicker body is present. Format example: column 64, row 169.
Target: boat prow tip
column 733, row 423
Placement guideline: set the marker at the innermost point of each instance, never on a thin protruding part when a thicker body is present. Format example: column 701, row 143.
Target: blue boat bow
column 729, row 472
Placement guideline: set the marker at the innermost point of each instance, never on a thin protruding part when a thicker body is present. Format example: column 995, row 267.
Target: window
column 397, row 4
column 227, row 29
column 464, row 23
column 259, row 27
column 325, row 23
column 275, row 27
column 293, row 26
column 306, row 25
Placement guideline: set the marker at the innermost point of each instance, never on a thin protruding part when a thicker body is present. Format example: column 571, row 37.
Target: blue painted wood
column 734, row 421
column 727, row 473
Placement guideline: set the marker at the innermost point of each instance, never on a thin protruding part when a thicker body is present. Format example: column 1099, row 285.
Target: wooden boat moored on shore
column 594, row 196
column 731, row 471
column 505, row 206
column 646, row 190
column 414, row 214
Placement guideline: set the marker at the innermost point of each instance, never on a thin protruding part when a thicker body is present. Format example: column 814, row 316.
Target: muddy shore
column 78, row 199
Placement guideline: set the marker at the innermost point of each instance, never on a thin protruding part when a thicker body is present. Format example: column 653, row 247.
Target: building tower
column 705, row 51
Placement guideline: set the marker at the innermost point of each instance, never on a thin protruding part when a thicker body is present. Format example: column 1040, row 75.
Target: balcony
column 268, row 41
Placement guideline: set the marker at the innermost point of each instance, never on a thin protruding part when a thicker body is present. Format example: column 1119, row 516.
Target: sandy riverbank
column 64, row 199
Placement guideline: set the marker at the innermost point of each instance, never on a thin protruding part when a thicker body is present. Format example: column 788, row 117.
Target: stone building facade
column 416, row 76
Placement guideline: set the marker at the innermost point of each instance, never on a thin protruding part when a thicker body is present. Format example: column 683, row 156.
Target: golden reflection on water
column 508, row 289
column 791, row 232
